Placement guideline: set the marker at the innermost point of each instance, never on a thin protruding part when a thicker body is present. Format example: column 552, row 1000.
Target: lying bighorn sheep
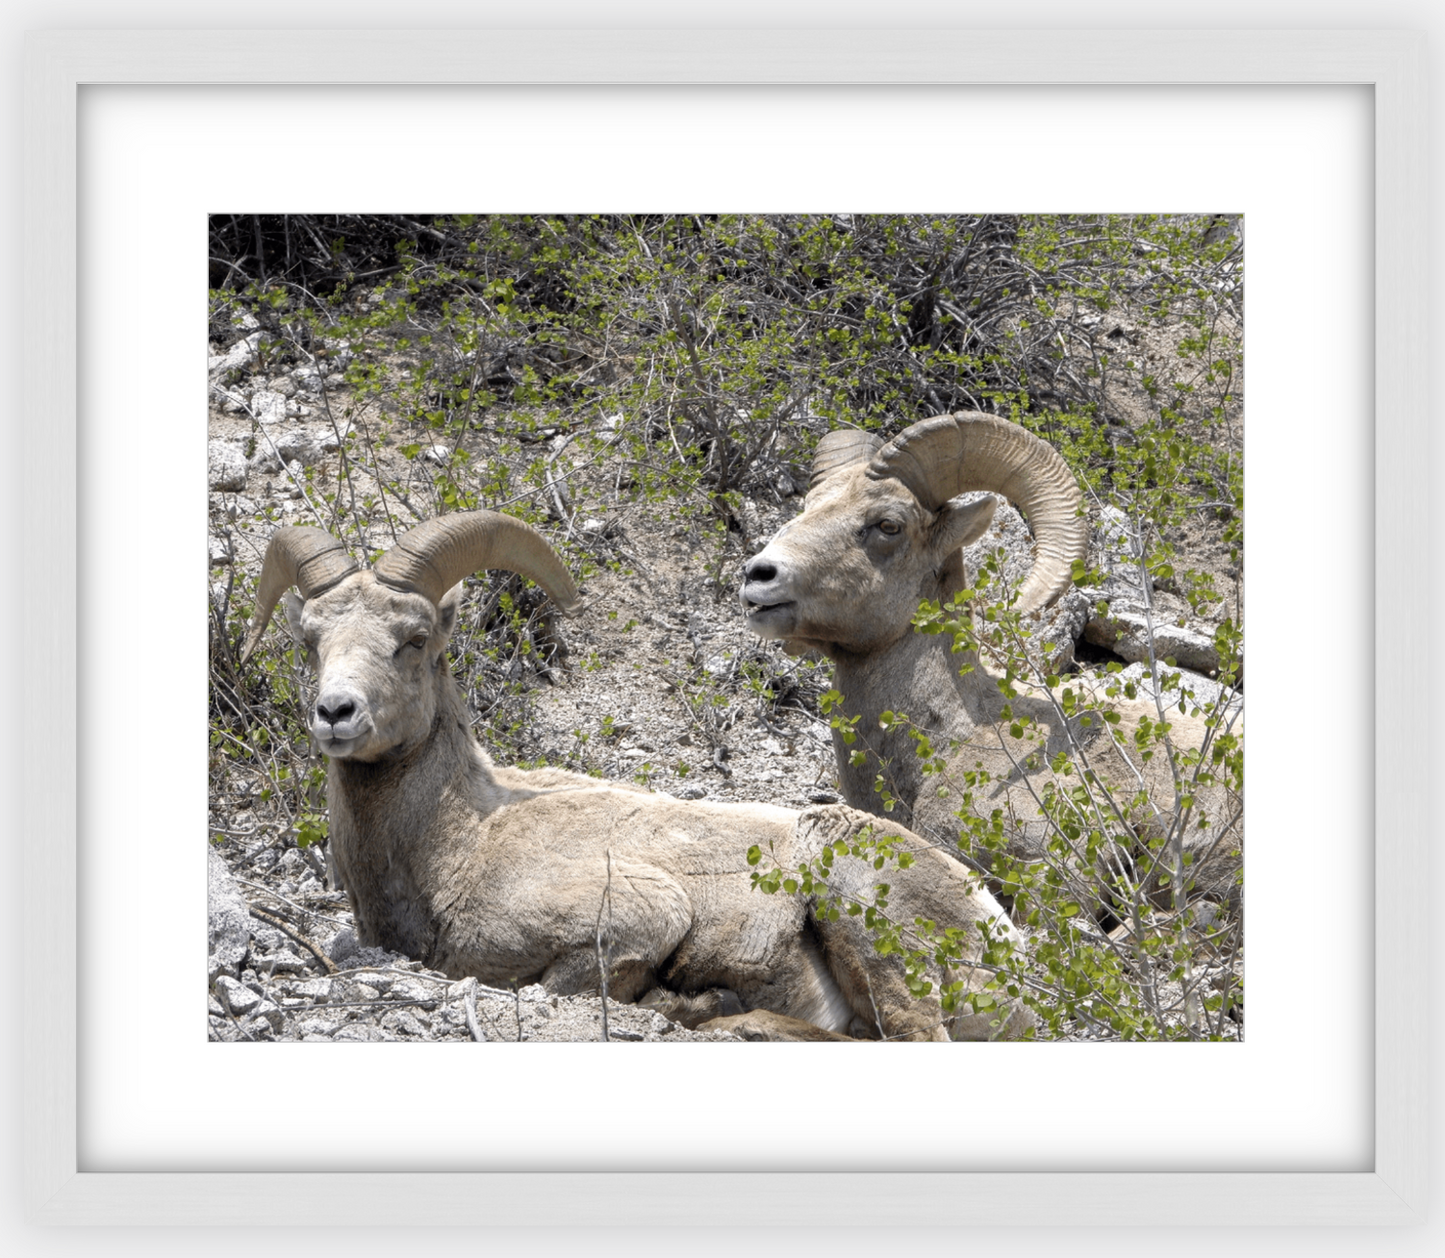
column 501, row 873
column 881, row 530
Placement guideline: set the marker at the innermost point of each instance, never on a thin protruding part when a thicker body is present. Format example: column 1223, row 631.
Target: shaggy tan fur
column 845, row 579
column 508, row 875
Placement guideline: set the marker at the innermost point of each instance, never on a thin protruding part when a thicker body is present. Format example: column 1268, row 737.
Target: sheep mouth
column 761, row 615
column 341, row 748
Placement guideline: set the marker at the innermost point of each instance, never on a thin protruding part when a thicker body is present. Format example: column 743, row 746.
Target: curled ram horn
column 949, row 455
column 842, row 448
column 435, row 555
column 300, row 555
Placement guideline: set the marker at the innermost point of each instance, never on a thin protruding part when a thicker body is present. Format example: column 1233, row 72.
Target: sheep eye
column 889, row 528
column 418, row 640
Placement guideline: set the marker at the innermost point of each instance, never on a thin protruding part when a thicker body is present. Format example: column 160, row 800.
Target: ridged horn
column 435, row 555
column 842, row 448
column 300, row 555
column 948, row 455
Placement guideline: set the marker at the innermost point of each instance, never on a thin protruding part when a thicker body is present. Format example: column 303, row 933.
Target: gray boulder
column 1127, row 635
column 1190, row 687
column 228, row 921
column 226, row 468
column 298, row 446
column 1053, row 630
column 1134, row 612
column 236, row 998
column 270, row 407
column 238, row 355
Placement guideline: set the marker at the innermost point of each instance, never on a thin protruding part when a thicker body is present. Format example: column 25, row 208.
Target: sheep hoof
column 692, row 1011
column 776, row 1028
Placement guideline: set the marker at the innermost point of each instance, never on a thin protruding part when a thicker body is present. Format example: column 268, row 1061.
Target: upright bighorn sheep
column 881, row 530
column 501, row 873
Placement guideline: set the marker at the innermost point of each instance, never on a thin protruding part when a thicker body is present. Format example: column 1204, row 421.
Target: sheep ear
column 961, row 521
column 447, row 611
column 294, row 603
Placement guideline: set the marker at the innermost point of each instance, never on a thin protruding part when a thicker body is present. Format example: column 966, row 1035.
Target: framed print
column 133, row 137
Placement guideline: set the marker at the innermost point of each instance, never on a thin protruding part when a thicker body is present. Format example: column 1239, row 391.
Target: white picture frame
column 58, row 64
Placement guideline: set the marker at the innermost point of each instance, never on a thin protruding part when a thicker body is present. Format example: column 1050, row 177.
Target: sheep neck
column 379, row 808
column 918, row 677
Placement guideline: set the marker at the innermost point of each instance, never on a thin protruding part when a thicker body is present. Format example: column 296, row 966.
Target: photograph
column 678, row 627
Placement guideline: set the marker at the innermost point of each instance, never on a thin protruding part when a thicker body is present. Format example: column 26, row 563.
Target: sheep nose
column 334, row 710
column 759, row 569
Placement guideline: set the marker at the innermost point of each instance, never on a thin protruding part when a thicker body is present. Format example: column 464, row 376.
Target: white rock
column 265, row 461
column 1205, row 690
column 404, row 1022
column 307, row 379
column 273, row 1015
column 322, row 1027
column 298, row 445
column 1127, row 635
column 226, row 465
column 360, row 1031
column 239, row 355
column 229, row 920
column 238, row 999
column 268, row 407
column 339, row 358
column 318, row 989
column 415, row 989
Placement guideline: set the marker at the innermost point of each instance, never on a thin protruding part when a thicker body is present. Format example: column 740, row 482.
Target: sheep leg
column 631, row 915
column 576, row 972
column 934, row 888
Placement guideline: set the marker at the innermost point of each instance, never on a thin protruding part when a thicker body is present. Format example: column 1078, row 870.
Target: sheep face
column 848, row 574
column 374, row 649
